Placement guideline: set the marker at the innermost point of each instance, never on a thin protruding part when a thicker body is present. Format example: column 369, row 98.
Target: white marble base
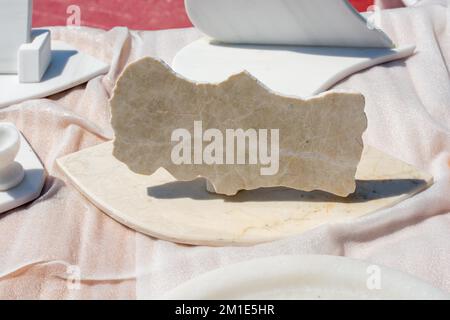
column 185, row 212
column 31, row 186
column 69, row 68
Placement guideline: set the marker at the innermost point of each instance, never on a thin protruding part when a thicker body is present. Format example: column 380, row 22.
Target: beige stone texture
column 320, row 139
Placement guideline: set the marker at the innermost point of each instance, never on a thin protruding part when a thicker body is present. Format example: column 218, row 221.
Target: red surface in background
column 135, row 14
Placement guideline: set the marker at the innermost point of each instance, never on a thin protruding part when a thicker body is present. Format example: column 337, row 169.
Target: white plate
column 31, row 186
column 305, row 277
column 288, row 22
column 288, row 70
column 68, row 68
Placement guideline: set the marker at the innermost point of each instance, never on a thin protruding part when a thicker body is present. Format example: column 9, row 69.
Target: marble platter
column 31, row 186
column 184, row 212
column 306, row 278
column 69, row 68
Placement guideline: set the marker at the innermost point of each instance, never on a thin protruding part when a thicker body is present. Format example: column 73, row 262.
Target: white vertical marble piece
column 15, row 27
column 287, row 22
column 34, row 57
column 309, row 277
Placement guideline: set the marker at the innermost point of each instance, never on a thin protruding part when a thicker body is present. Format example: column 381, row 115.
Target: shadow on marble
column 366, row 190
column 30, row 175
column 60, row 58
column 316, row 51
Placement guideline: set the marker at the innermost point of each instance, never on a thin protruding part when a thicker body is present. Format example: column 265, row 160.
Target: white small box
column 15, row 27
column 34, row 57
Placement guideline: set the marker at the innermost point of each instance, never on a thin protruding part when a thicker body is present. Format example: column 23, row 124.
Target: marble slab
column 298, row 71
column 35, row 57
column 237, row 134
column 287, row 22
column 31, row 186
column 68, row 68
column 184, row 212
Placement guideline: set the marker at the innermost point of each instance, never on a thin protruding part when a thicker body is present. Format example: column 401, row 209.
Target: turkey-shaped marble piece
column 237, row 134
column 291, row 70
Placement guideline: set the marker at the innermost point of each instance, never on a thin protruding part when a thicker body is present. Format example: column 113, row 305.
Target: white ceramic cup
column 11, row 172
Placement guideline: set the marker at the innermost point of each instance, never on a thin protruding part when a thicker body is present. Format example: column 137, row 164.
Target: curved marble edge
column 226, row 24
column 331, row 276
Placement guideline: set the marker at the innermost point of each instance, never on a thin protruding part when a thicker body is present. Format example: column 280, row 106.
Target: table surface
column 62, row 236
column 136, row 14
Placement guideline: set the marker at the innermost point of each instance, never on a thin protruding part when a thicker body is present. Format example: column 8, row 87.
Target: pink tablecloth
column 62, row 236
column 135, row 14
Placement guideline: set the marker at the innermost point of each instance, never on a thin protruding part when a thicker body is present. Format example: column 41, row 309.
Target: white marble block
column 34, row 57
column 15, row 26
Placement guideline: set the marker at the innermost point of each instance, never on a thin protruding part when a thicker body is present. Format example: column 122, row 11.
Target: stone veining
column 320, row 139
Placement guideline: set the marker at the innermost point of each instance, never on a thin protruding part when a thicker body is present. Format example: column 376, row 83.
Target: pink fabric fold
column 63, row 247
